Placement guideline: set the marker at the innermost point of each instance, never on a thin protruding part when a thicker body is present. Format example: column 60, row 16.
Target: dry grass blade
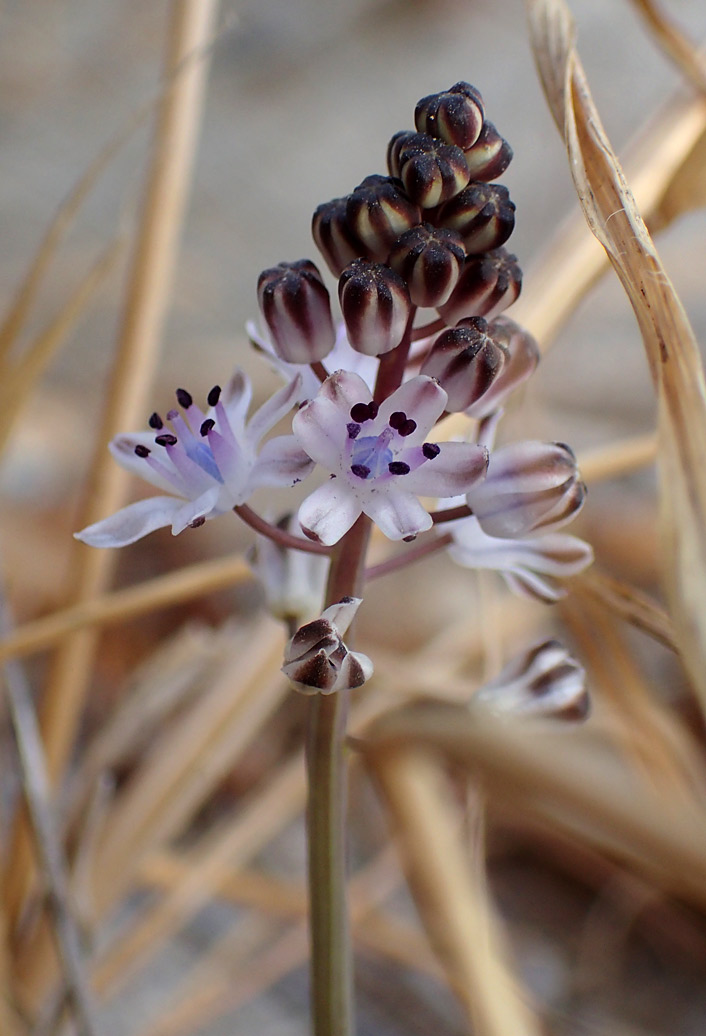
column 630, row 604
column 121, row 605
column 618, row 458
column 143, row 317
column 450, row 892
column 36, row 790
column 664, row 166
column 575, row 783
column 21, row 380
column 672, row 352
column 674, row 42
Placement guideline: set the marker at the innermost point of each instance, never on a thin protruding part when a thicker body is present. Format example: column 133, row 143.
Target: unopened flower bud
column 465, row 361
column 293, row 580
column 317, row 661
column 482, row 214
column 297, row 310
column 543, row 682
column 375, row 304
column 487, row 285
column 334, row 237
column 521, row 359
column 490, row 155
column 378, row 211
column 530, row 487
column 430, row 260
column 455, row 115
column 393, row 150
column 432, row 172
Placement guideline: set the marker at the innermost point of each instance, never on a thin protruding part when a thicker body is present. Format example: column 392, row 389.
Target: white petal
column 356, row 669
column 282, row 462
column 274, row 409
column 344, row 389
column 236, row 400
column 457, row 467
column 329, row 512
column 422, row 399
column 201, row 507
column 132, row 523
column 342, row 613
column 320, row 427
column 397, row 514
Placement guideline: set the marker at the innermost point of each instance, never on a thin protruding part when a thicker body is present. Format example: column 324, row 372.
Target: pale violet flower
column 207, row 462
column 379, row 458
column 543, row 682
column 316, row 659
column 531, row 566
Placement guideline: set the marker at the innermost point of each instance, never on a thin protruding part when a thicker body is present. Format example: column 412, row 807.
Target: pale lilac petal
column 457, row 467
column 421, row 399
column 192, row 510
column 397, row 514
column 132, row 523
column 281, row 462
column 329, row 512
column 123, row 450
column 320, row 427
column 525, row 583
column 274, row 410
column 344, row 389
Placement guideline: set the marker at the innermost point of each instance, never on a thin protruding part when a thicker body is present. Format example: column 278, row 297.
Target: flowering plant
column 372, row 395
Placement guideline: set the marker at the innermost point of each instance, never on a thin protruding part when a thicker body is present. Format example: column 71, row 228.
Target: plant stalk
column 331, row 953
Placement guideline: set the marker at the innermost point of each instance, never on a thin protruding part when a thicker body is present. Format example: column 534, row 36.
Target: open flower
column 379, row 457
column 208, row 462
column 530, row 566
column 317, row 661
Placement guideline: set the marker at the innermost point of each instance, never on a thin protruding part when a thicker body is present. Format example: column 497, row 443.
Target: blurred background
column 302, row 98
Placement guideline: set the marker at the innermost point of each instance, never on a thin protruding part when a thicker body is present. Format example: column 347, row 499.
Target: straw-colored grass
column 180, row 789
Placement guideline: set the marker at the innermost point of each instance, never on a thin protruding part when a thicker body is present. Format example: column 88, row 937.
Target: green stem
column 331, row 954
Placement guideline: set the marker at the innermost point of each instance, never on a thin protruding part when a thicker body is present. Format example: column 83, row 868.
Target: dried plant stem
column 121, row 605
column 450, row 894
column 143, row 318
column 36, row 788
column 331, row 957
column 618, row 458
column 682, row 51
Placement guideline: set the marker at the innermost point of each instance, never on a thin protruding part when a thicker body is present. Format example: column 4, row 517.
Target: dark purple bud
column 465, row 361
column 296, row 307
column 393, row 150
column 430, row 260
column 375, row 304
column 521, row 359
column 488, row 284
column 432, row 172
column 334, row 237
column 482, row 214
column 490, row 155
column 378, row 211
column 455, row 115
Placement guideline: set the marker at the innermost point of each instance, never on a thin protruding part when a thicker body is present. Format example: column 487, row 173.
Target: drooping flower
column 207, row 462
column 379, row 457
column 531, row 566
column 293, row 580
column 317, row 661
column 543, row 682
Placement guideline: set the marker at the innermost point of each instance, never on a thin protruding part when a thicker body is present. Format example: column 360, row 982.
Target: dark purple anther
column 360, row 470
column 407, row 428
column 214, row 395
column 360, row 412
column 431, row 450
column 398, row 467
column 184, row 398
column 155, row 422
column 166, row 440
column 142, row 451
column 207, row 425
column 353, row 430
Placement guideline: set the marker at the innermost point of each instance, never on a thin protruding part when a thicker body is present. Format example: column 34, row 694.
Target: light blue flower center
column 201, row 454
column 373, row 452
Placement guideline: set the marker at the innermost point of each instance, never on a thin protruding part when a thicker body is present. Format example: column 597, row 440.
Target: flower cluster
column 423, row 282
